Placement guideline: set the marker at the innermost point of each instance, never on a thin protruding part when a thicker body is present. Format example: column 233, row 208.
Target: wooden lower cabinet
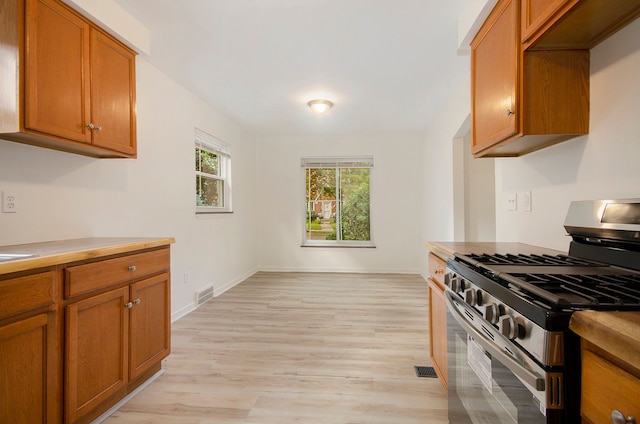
column 29, row 370
column 150, row 324
column 438, row 318
column 610, row 383
column 606, row 388
column 78, row 335
column 30, row 350
column 96, row 353
column 111, row 340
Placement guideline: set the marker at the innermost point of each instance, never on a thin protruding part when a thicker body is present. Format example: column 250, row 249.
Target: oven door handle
column 525, row 374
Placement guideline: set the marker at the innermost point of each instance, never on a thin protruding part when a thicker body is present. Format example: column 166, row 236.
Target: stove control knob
column 455, row 284
column 463, row 285
column 508, row 327
column 491, row 313
column 479, row 299
column 470, row 297
column 448, row 277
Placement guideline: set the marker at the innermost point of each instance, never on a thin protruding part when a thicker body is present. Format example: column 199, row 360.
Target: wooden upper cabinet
column 573, row 24
column 537, row 13
column 523, row 101
column 57, row 71
column 112, row 94
column 78, row 82
column 494, row 56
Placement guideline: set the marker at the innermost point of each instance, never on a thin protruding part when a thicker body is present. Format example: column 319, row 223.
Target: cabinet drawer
column 606, row 387
column 437, row 268
column 97, row 275
column 26, row 293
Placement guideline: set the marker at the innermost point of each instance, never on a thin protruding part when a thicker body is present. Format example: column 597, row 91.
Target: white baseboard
column 342, row 270
column 182, row 312
column 218, row 290
column 127, row 398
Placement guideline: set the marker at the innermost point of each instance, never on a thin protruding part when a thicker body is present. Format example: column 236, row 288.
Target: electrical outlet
column 512, row 202
column 526, row 201
column 9, row 202
column 187, row 278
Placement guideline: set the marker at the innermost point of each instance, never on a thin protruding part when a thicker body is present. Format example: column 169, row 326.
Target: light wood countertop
column 446, row 249
column 63, row 251
column 617, row 333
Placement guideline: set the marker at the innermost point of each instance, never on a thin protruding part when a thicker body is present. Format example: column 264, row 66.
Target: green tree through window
column 338, row 201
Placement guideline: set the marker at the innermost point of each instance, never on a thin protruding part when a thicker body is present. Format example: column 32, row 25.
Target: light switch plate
column 512, row 202
column 526, row 201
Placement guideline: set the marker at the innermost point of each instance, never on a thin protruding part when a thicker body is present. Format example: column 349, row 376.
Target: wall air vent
column 204, row 296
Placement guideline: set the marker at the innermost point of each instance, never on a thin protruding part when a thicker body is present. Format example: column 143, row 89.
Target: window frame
column 342, row 162
column 207, row 142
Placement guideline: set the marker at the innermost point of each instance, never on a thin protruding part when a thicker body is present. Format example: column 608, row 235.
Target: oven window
column 506, row 400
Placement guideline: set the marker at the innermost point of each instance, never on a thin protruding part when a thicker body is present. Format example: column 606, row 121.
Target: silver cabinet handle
column 128, row 305
column 618, row 418
column 94, row 127
column 136, row 302
column 509, row 112
column 132, row 268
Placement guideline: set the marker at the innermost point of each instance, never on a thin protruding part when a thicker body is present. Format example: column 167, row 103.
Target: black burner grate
column 522, row 259
column 616, row 290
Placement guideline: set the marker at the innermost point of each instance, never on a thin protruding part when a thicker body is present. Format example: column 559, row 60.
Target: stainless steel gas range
column 512, row 357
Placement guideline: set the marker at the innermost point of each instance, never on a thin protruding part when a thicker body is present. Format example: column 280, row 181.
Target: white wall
column 62, row 195
column 396, row 206
column 438, row 203
column 601, row 165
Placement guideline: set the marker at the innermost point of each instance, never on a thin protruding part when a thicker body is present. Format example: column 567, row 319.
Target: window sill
column 213, row 212
column 348, row 246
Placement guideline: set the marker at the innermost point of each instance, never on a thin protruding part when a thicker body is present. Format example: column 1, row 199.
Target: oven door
column 490, row 381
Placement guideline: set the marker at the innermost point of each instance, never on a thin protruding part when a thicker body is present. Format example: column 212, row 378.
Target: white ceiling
column 386, row 64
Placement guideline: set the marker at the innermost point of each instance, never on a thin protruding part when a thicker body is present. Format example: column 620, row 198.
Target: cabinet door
column 438, row 331
column 29, row 376
column 57, row 71
column 494, row 77
column 606, row 388
column 539, row 13
column 112, row 94
column 150, row 323
column 96, row 350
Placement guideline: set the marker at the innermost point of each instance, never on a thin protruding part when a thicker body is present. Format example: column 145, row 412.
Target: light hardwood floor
column 299, row 348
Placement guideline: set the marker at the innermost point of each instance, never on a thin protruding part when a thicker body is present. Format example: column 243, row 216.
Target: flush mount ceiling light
column 320, row 106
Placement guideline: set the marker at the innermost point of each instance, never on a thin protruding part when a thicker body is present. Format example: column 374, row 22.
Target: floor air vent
column 204, row 296
column 425, row 372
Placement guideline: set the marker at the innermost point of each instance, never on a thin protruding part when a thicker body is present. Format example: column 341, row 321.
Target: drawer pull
column 618, row 418
column 136, row 302
column 128, row 305
column 132, row 268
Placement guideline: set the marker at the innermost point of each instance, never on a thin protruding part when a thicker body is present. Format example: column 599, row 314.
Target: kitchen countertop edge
column 617, row 333
column 54, row 253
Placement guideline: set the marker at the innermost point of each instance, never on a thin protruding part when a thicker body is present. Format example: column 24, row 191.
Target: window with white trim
column 213, row 174
column 337, row 209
